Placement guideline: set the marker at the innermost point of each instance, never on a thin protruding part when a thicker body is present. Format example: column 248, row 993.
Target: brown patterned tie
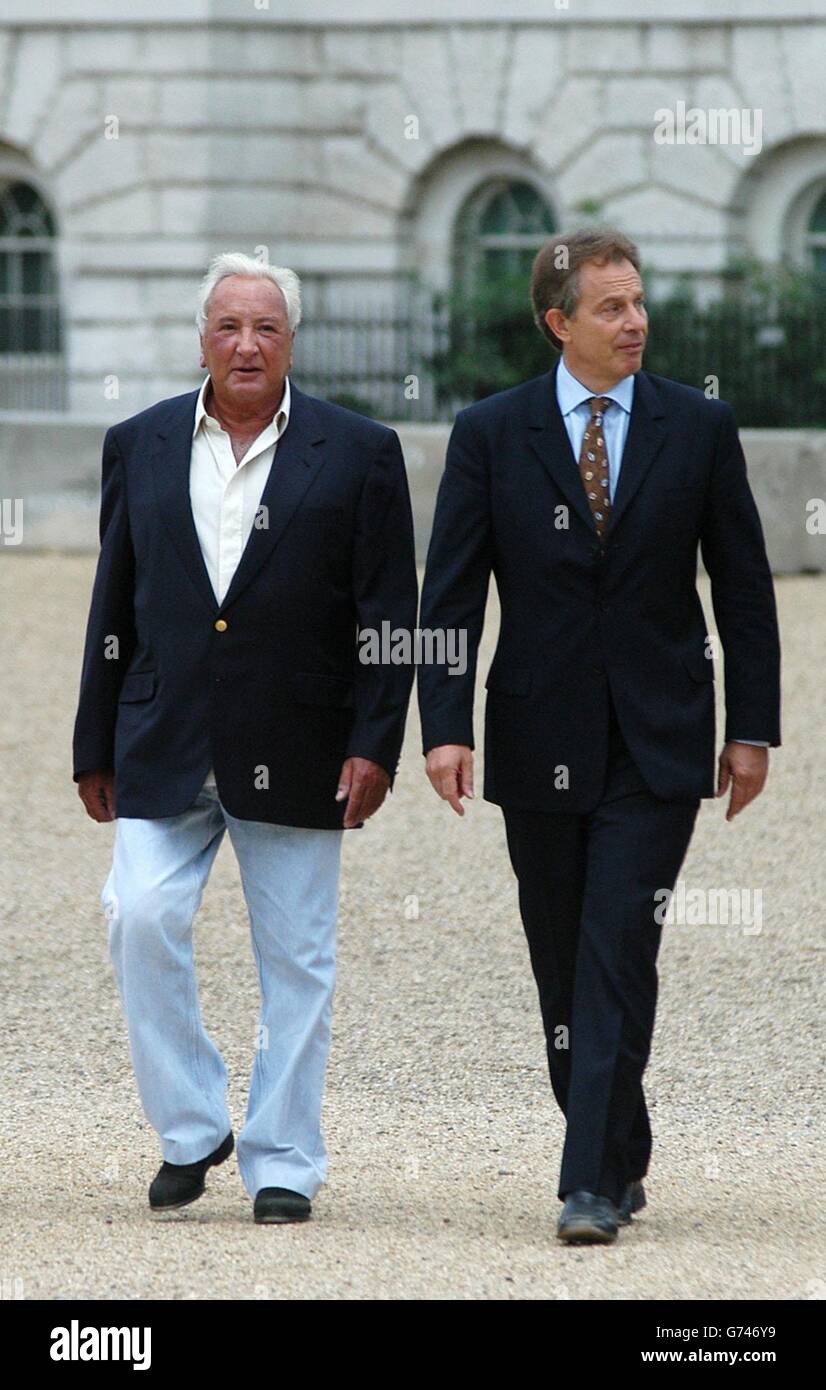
column 593, row 464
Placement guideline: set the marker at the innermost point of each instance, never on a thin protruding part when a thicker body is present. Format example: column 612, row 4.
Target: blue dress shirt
column 573, row 400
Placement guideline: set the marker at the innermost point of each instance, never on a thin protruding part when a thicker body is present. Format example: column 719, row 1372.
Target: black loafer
column 633, row 1199
column 178, row 1184
column 588, row 1218
column 279, row 1204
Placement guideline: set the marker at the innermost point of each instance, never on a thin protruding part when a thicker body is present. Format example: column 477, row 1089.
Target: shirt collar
column 570, row 393
column 280, row 419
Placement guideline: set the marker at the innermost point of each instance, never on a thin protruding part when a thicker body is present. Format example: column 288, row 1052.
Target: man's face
column 606, row 335
column 246, row 344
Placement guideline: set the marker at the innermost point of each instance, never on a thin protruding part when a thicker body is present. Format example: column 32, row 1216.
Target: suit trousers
column 290, row 883
column 586, row 896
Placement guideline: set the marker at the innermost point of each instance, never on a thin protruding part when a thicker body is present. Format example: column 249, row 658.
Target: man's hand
column 450, row 769
column 365, row 785
column 746, row 767
column 97, row 792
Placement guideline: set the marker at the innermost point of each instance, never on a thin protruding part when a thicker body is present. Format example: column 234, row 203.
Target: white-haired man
column 248, row 531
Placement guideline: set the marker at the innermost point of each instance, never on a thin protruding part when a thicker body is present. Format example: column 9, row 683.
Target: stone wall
column 289, row 128
column 53, row 465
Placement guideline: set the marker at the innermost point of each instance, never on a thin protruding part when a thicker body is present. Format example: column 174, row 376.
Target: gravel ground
column 443, row 1136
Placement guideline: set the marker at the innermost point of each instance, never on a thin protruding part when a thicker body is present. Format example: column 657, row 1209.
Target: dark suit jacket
column 281, row 688
column 580, row 616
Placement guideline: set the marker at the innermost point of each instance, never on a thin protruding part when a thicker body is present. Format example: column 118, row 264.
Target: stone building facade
column 376, row 147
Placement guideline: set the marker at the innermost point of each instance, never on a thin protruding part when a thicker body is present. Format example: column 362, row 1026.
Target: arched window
column 30, row 337
column 28, row 289
column 499, row 230
column 816, row 235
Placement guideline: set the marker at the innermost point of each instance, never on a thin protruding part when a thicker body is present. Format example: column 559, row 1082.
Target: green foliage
column 763, row 339
column 351, row 401
column 588, row 209
column 489, row 342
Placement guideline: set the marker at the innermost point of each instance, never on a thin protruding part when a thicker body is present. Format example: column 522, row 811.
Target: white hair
column 236, row 263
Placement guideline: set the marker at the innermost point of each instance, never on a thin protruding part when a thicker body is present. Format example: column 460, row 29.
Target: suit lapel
column 549, row 439
column 646, row 433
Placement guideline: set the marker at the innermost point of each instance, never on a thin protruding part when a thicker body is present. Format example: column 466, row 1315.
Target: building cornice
column 327, row 14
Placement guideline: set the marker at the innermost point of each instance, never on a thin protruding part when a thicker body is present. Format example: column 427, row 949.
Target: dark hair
column 555, row 276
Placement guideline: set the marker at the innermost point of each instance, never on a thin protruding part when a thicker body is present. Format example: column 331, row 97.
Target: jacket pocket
column 509, row 680
column 311, row 689
column 138, row 685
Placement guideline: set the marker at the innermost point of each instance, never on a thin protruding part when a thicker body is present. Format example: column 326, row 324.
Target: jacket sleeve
column 455, row 588
column 110, row 630
column 742, row 593
column 385, row 591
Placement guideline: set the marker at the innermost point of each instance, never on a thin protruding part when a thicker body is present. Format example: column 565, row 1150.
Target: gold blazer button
column 220, row 625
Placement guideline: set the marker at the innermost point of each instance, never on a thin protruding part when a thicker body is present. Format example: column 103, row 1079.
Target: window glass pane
column 495, row 217
column 32, row 338
column 24, row 196
column 493, row 262
column 506, row 262
column 23, row 212
column 524, row 263
column 817, row 222
column 518, row 208
column 29, row 321
column 534, row 213
column 35, row 268
column 498, row 232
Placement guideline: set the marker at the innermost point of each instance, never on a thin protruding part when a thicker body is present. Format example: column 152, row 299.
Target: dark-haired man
column 586, row 493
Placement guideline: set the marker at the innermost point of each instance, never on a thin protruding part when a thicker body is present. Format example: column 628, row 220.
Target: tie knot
column 599, row 405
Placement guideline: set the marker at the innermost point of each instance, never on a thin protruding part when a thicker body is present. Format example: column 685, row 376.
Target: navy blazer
column 267, row 685
column 581, row 616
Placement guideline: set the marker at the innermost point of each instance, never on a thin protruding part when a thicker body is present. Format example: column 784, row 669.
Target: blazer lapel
column 294, row 467
column 170, row 471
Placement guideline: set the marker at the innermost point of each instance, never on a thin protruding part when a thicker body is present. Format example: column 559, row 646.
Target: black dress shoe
column 178, row 1184
column 633, row 1199
column 279, row 1204
column 588, row 1218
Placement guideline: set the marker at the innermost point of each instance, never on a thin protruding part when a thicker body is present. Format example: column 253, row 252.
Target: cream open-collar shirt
column 225, row 495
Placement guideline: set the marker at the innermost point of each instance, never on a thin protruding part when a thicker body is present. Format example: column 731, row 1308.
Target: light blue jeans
column 290, row 881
